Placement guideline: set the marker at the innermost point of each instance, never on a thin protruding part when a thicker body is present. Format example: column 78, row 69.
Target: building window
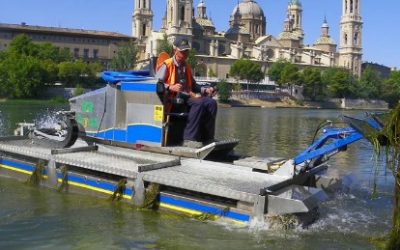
column 144, row 29
column 351, row 6
column 345, row 39
column 182, row 13
column 144, row 4
column 76, row 52
column 95, row 53
column 356, row 38
column 86, row 53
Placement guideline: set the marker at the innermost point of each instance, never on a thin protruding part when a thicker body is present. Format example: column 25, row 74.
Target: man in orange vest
column 177, row 77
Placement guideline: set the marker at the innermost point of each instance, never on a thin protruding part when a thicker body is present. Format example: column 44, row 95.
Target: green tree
column 90, row 73
column 47, row 51
column 71, row 72
column 22, row 76
column 245, row 69
column 192, row 60
column 22, row 45
column 165, row 46
column 290, row 76
column 340, row 82
column 391, row 89
column 370, row 84
column 313, row 87
column 26, row 68
column 224, row 91
column 275, row 71
column 126, row 58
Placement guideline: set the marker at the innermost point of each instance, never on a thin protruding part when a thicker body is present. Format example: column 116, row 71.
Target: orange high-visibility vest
column 171, row 79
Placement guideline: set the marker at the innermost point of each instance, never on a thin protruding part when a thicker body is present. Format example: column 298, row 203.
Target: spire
column 295, row 2
column 202, row 10
column 325, row 28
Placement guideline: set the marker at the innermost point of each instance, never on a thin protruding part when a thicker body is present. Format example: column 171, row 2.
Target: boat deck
column 219, row 179
column 240, row 192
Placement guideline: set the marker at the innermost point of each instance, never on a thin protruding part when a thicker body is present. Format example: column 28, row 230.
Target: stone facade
column 247, row 36
column 90, row 46
column 350, row 36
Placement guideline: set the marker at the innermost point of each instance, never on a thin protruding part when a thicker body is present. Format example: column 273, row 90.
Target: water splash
column 47, row 119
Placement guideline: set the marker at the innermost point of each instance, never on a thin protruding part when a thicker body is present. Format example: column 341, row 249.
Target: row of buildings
column 245, row 36
column 88, row 45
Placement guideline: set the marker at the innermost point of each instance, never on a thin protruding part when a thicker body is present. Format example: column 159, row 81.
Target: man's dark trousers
column 201, row 119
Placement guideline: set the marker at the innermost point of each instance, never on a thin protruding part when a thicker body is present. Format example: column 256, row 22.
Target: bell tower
column 142, row 24
column 295, row 13
column 178, row 20
column 350, row 50
column 142, row 19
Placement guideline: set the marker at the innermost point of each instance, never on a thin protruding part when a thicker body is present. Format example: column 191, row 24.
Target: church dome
column 325, row 40
column 205, row 22
column 288, row 36
column 248, row 8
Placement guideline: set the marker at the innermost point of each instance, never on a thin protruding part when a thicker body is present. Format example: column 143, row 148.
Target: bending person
column 177, row 76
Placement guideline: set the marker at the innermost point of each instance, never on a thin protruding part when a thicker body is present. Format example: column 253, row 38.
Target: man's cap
column 182, row 44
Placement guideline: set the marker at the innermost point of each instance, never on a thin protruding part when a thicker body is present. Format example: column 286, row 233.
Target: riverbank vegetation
column 334, row 82
column 27, row 68
column 52, row 101
column 387, row 142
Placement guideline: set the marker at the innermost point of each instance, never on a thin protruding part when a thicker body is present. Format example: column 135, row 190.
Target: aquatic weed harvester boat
column 120, row 141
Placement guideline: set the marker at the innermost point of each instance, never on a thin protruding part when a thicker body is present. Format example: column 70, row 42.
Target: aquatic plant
column 64, row 179
column 151, row 196
column 284, row 222
column 204, row 217
column 210, row 216
column 389, row 140
column 37, row 175
column 119, row 190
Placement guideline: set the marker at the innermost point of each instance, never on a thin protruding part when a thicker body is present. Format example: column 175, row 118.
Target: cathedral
column 246, row 36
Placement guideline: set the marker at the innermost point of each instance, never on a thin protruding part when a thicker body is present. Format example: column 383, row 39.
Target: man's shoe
column 209, row 142
column 192, row 144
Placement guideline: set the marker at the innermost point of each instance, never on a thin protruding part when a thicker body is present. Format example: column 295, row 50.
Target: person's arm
column 162, row 75
column 201, row 89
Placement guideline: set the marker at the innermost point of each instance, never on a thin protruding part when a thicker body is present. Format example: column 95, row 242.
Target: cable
column 320, row 125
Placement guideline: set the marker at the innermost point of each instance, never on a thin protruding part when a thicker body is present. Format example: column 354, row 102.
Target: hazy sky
column 381, row 19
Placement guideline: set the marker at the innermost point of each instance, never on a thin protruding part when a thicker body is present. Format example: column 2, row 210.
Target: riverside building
column 88, row 45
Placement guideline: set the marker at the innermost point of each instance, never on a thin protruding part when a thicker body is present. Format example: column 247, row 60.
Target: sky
column 381, row 19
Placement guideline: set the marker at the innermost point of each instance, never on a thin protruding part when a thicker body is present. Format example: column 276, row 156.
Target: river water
column 40, row 218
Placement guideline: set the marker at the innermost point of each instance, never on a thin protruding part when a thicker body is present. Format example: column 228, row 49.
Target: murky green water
column 40, row 218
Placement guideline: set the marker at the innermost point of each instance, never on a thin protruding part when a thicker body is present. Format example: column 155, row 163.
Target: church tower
column 178, row 19
column 201, row 10
column 142, row 24
column 142, row 19
column 295, row 13
column 350, row 51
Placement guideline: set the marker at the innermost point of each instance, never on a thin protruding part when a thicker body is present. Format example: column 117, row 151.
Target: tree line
column 334, row 82
column 27, row 68
column 321, row 84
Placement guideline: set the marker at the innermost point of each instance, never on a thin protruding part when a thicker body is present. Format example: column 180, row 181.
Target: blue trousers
column 201, row 119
